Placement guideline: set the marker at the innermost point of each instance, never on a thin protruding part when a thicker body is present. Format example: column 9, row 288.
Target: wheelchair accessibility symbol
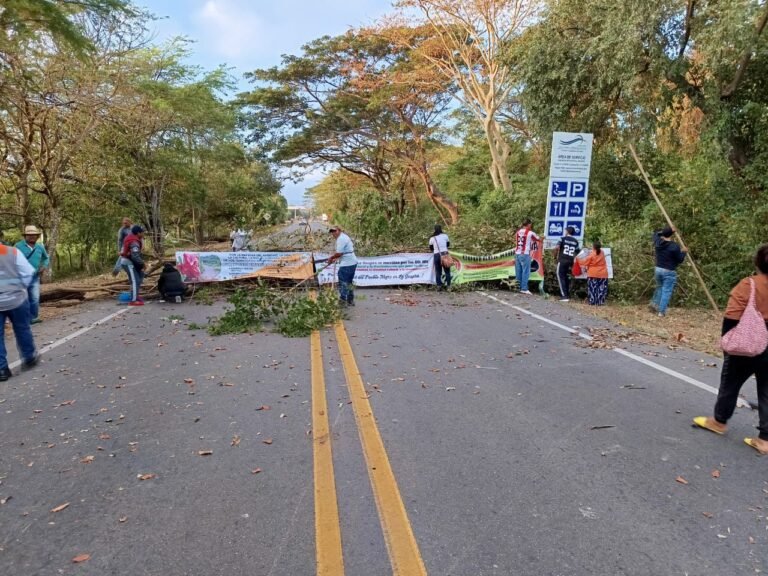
column 559, row 188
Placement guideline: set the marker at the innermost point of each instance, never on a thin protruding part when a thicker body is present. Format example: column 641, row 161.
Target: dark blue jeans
column 440, row 270
column 19, row 318
column 346, row 288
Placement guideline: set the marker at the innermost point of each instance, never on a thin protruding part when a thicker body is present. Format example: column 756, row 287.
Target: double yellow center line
column 401, row 543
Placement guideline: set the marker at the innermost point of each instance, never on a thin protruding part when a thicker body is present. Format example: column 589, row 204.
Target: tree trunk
column 437, row 197
column 499, row 153
column 52, row 239
column 153, row 196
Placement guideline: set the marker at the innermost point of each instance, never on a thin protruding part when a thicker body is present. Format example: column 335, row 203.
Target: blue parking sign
column 557, row 209
column 578, row 189
column 576, row 209
column 559, row 188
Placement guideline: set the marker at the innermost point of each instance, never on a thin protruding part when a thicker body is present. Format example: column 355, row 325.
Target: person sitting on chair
column 170, row 285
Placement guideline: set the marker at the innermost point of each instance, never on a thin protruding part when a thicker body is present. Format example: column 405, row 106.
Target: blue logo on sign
column 578, row 189
column 576, row 227
column 555, row 229
column 578, row 140
column 576, row 209
column 559, row 188
column 557, row 209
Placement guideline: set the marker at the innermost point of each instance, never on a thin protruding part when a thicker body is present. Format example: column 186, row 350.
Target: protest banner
column 499, row 266
column 390, row 270
column 197, row 267
column 410, row 268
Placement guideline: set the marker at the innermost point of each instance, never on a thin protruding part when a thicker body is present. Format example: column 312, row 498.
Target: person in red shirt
column 597, row 274
column 524, row 240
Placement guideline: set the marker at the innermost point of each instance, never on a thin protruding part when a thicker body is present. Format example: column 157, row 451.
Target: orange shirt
column 595, row 265
column 740, row 296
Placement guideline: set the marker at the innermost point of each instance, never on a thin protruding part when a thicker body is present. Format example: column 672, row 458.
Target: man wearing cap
column 668, row 257
column 345, row 255
column 15, row 275
column 38, row 258
column 132, row 262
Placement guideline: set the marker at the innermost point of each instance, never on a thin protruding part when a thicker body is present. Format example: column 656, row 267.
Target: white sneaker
column 565, row 299
column 526, row 292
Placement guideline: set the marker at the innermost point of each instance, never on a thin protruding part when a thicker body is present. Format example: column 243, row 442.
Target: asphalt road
column 516, row 448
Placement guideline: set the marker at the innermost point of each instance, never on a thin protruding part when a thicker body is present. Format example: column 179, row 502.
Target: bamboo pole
column 671, row 225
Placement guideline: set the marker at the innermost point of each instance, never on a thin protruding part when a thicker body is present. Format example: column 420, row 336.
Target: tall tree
column 341, row 103
column 467, row 43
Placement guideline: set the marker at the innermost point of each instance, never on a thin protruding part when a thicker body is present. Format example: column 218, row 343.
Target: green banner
column 469, row 268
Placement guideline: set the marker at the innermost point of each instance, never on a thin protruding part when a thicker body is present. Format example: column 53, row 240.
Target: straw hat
column 32, row 230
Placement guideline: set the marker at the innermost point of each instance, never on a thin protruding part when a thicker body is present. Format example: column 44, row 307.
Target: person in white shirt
column 16, row 274
column 439, row 243
column 345, row 256
column 524, row 240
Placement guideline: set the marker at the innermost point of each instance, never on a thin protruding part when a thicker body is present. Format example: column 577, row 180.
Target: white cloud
column 230, row 28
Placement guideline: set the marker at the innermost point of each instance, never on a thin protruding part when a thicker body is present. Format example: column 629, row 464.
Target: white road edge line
column 741, row 402
column 72, row 336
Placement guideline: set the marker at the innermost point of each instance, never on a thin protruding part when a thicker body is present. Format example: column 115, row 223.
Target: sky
column 250, row 34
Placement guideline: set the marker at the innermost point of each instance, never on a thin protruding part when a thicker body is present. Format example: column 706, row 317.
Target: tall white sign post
column 568, row 185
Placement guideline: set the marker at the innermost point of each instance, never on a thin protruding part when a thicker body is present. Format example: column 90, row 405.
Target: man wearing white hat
column 39, row 260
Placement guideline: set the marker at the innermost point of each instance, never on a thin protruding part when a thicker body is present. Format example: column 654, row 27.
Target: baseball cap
column 137, row 229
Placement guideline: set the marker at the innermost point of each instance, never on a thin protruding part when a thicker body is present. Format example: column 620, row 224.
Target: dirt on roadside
column 698, row 329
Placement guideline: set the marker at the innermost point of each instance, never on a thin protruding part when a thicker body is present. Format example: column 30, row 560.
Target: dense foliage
column 97, row 123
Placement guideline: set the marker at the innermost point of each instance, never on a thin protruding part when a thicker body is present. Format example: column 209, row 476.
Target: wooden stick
column 671, row 225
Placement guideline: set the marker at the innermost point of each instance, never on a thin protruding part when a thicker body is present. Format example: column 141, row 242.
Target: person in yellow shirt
column 597, row 274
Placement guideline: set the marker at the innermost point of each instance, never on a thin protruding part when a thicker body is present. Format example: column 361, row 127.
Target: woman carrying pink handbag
column 745, row 344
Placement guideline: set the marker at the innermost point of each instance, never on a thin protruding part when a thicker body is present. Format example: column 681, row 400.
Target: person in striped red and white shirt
column 524, row 240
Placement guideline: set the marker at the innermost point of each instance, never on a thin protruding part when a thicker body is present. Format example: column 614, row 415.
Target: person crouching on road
column 132, row 262
column 597, row 275
column 668, row 257
column 737, row 369
column 170, row 285
column 16, row 273
column 565, row 252
column 439, row 243
column 38, row 258
column 345, row 256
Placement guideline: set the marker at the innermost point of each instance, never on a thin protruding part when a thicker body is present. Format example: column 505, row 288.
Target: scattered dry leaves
column 60, row 507
column 681, row 480
column 81, row 558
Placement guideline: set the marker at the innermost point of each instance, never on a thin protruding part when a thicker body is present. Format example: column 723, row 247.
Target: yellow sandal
column 753, row 444
column 703, row 422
